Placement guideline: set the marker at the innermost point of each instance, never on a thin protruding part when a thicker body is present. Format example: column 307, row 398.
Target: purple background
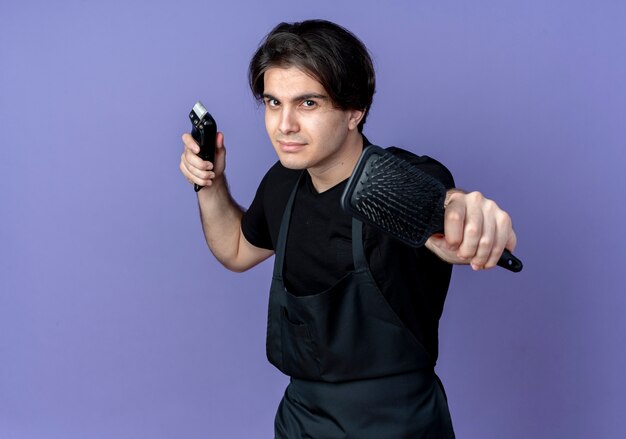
column 115, row 321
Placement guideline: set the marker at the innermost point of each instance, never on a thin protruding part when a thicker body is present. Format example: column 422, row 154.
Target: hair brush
column 394, row 196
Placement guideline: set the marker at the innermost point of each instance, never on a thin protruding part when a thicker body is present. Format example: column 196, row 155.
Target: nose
column 288, row 122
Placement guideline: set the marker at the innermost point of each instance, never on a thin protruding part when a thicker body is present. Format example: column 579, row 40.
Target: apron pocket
column 299, row 354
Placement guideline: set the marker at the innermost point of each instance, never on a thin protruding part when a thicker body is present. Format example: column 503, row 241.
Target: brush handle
column 510, row 262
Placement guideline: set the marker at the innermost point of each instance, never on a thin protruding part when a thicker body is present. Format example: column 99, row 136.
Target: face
column 306, row 129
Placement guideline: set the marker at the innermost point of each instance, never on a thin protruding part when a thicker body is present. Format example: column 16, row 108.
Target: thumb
column 439, row 240
column 219, row 140
column 220, row 153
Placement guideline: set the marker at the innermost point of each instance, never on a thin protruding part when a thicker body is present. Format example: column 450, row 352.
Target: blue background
column 115, row 320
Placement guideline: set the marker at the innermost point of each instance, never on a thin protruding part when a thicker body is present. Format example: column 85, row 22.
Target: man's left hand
column 476, row 231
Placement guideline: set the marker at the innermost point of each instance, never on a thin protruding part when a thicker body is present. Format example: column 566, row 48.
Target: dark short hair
column 328, row 52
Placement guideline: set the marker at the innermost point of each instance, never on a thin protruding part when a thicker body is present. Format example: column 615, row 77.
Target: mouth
column 290, row 146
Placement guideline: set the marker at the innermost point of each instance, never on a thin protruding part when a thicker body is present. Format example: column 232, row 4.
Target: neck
column 340, row 166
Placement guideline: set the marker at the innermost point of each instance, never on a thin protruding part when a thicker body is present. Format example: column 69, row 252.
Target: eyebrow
column 303, row 97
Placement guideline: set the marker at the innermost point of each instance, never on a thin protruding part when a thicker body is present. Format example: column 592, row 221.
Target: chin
column 293, row 161
column 290, row 163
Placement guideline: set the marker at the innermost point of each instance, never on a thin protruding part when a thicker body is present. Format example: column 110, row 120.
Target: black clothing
column 413, row 281
column 357, row 371
column 405, row 406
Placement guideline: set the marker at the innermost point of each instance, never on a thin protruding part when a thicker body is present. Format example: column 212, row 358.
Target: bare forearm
column 221, row 222
column 219, row 213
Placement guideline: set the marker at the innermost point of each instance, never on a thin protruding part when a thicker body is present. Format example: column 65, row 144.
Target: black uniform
column 354, row 326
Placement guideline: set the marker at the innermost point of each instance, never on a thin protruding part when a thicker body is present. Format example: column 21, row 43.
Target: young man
column 353, row 313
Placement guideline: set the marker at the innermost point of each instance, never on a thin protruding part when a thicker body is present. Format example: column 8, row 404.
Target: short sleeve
column 254, row 223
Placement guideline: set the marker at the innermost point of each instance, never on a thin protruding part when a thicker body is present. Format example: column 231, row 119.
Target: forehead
column 282, row 82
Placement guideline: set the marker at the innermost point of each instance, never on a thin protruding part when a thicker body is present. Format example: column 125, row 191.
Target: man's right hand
column 220, row 214
column 198, row 171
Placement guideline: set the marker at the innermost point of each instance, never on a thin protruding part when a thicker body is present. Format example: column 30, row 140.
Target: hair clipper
column 204, row 132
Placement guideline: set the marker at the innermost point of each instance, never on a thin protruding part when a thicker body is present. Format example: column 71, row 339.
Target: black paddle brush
column 394, row 196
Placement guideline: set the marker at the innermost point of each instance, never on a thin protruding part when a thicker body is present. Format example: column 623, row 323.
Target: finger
column 195, row 175
column 487, row 238
column 512, row 242
column 193, row 160
column 438, row 245
column 190, row 143
column 473, row 227
column 185, row 172
column 192, row 147
column 454, row 219
column 504, row 235
column 192, row 150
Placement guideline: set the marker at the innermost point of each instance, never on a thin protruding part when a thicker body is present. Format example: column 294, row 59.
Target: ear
column 355, row 117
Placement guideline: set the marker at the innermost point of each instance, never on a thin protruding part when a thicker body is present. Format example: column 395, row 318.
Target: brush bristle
column 396, row 197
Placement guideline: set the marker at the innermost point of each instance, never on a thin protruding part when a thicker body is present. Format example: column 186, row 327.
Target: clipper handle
column 204, row 132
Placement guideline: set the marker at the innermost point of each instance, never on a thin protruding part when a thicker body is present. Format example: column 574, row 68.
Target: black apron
column 356, row 370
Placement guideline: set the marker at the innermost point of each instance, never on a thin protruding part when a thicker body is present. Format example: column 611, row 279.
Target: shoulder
column 426, row 164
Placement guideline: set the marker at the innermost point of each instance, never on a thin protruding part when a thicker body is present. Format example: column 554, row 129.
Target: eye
column 308, row 103
column 271, row 102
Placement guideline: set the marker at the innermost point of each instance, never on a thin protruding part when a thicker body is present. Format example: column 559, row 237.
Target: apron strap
column 358, row 254
column 281, row 242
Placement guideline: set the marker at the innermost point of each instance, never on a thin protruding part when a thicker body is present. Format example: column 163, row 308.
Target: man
column 353, row 313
